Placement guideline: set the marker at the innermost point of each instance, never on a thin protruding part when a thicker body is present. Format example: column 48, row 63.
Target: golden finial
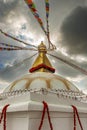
column 42, row 63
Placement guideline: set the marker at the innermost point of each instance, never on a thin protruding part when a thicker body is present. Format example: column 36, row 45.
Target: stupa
column 27, row 98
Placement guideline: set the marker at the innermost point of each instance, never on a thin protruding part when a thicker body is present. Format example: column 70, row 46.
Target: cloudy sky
column 68, row 30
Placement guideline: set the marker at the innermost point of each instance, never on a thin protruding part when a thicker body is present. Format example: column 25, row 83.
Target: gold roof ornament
column 42, row 63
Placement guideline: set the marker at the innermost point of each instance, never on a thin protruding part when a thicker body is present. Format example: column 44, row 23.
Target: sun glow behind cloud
column 13, row 22
column 79, row 58
column 76, row 79
column 5, row 1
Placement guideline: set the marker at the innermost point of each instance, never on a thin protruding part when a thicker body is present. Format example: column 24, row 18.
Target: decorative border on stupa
column 60, row 93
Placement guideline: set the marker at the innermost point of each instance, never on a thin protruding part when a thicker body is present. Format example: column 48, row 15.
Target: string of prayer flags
column 47, row 8
column 7, row 49
column 12, row 37
column 8, row 45
column 33, row 9
column 12, row 47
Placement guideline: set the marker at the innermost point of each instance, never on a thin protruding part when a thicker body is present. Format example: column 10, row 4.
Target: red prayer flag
column 30, row 1
column 0, row 48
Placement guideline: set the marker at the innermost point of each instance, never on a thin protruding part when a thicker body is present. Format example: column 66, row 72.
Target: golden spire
column 42, row 64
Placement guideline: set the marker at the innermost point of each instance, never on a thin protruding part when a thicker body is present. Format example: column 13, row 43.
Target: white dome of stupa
column 41, row 76
column 40, row 80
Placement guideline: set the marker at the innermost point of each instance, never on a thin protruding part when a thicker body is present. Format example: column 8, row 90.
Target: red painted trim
column 3, row 115
column 75, row 111
column 45, row 107
column 42, row 66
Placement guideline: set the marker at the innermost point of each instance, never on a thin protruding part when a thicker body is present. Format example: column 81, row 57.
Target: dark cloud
column 6, row 7
column 74, row 31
